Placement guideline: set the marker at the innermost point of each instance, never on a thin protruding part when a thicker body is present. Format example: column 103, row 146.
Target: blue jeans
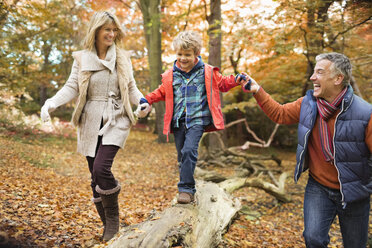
column 321, row 205
column 187, row 143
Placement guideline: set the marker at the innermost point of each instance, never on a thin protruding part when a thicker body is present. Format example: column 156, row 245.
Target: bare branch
column 306, row 44
column 187, row 15
column 128, row 5
column 207, row 17
column 347, row 30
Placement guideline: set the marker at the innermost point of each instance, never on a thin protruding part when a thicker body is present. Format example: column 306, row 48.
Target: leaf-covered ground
column 45, row 194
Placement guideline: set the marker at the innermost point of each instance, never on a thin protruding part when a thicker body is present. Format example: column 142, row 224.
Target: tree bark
column 214, row 32
column 277, row 189
column 45, row 81
column 198, row 225
column 214, row 59
column 151, row 17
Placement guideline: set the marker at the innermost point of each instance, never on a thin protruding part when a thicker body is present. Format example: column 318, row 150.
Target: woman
column 102, row 80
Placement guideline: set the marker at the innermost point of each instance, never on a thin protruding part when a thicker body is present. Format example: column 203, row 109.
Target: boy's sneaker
column 185, row 198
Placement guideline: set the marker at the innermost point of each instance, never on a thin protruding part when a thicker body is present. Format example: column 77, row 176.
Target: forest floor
column 45, row 193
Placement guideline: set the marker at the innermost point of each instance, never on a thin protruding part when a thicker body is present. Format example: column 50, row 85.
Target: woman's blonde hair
column 188, row 40
column 99, row 19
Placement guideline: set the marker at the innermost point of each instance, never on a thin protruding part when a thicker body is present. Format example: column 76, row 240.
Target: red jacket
column 214, row 83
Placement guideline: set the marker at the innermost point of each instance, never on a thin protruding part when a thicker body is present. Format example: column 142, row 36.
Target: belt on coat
column 113, row 102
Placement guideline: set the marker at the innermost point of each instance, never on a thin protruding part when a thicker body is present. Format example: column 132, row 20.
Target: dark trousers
column 187, row 143
column 100, row 167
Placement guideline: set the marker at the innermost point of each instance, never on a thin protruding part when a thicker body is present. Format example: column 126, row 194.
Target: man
column 334, row 143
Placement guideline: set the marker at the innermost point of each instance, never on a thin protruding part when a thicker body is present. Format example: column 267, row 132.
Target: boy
column 191, row 93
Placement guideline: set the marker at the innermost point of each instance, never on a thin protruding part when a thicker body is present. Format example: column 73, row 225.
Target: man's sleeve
column 288, row 113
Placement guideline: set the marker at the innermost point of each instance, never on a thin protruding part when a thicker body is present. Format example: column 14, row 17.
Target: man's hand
column 251, row 85
column 47, row 108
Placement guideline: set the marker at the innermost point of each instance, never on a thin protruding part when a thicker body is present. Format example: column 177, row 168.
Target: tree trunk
column 317, row 17
column 214, row 33
column 151, row 17
column 198, row 225
column 45, row 80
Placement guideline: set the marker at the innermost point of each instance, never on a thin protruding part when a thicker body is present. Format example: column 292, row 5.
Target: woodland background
column 273, row 41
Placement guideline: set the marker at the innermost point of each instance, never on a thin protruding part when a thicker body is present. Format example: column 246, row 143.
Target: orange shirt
column 323, row 172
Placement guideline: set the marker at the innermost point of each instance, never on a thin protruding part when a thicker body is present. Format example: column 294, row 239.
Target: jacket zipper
column 211, row 92
column 303, row 161
column 334, row 151
column 187, row 85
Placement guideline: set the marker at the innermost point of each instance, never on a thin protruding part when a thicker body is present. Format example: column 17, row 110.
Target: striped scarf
column 326, row 111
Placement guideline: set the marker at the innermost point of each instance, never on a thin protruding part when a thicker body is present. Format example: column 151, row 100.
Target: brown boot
column 100, row 211
column 111, row 209
column 185, row 198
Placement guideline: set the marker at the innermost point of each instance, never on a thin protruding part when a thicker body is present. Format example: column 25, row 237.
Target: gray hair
column 188, row 40
column 340, row 65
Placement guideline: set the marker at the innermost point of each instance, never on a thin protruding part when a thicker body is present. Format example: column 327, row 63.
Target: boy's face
column 186, row 59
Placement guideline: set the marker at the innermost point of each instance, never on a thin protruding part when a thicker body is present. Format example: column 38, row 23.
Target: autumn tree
column 323, row 25
column 278, row 48
column 37, row 44
column 151, row 20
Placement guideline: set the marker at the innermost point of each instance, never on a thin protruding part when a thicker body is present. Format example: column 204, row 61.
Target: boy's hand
column 240, row 79
column 251, row 85
column 143, row 108
column 143, row 100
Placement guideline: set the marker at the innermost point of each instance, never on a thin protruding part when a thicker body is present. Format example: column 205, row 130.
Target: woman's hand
column 47, row 108
column 143, row 108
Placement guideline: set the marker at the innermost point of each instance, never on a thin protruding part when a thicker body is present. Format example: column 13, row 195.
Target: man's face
column 186, row 59
column 326, row 82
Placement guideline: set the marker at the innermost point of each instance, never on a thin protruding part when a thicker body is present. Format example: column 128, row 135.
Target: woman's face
column 106, row 35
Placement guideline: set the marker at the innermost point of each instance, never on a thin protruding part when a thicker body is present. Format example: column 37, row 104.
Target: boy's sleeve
column 157, row 95
column 226, row 82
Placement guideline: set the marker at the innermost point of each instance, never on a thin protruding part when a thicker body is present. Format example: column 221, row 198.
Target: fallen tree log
column 209, row 176
column 276, row 189
column 191, row 225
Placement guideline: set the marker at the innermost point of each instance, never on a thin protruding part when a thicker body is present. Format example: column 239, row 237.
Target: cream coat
column 105, row 90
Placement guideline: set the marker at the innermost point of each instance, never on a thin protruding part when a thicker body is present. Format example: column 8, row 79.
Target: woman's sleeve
column 134, row 94
column 70, row 90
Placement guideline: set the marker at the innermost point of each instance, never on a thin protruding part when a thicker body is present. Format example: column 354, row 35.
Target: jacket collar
column 197, row 66
column 91, row 62
column 347, row 98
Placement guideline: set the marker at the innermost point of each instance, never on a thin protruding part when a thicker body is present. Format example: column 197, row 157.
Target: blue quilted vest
column 353, row 159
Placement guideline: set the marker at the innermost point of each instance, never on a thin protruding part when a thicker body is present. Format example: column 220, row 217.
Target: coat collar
column 91, row 62
column 347, row 98
column 349, row 95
